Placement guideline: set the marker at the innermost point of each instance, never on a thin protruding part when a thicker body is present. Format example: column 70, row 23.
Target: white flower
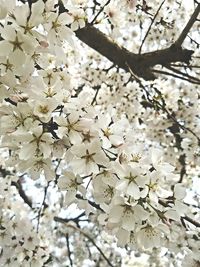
column 72, row 184
column 104, row 186
column 57, row 29
column 52, row 89
column 36, row 143
column 27, row 23
column 179, row 208
column 14, row 40
column 122, row 237
column 111, row 133
column 5, row 7
column 37, row 166
column 78, row 18
column 155, row 189
column 88, row 158
column 131, row 3
column 132, row 181
column 148, row 237
column 43, row 109
column 126, row 214
column 69, row 126
column 30, row 242
column 16, row 117
column 158, row 164
column 179, row 191
column 13, row 63
column 114, row 14
column 69, row 181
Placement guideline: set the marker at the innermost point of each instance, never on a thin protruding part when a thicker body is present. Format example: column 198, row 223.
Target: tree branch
column 18, row 186
column 180, row 76
column 188, row 26
column 163, row 108
column 100, row 11
column 187, row 218
column 91, row 240
column 22, row 194
column 195, row 223
column 140, row 49
column 190, row 78
column 69, row 250
column 66, row 220
column 140, row 64
column 43, row 206
column 92, row 203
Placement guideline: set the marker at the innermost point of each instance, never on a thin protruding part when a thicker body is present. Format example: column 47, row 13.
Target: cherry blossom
column 99, row 133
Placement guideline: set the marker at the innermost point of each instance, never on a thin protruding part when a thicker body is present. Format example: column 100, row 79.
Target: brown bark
column 140, row 64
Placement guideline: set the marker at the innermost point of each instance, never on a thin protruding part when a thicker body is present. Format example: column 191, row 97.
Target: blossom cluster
column 90, row 147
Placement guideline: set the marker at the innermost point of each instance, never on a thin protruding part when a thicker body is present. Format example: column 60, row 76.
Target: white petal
column 5, row 48
column 133, row 190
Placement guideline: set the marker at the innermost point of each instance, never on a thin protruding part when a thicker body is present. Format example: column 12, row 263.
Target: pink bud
column 44, row 44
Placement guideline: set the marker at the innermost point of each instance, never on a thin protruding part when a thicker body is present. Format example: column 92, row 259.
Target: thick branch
column 104, row 45
column 140, row 64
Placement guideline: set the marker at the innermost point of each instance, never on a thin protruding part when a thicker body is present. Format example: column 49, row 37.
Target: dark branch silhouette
column 140, row 64
column 188, row 26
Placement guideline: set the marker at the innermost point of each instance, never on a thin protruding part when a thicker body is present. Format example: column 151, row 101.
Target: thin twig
column 195, row 223
column 182, row 73
column 188, row 26
column 22, row 193
column 94, row 100
column 18, row 185
column 184, row 66
column 174, row 75
column 92, row 203
column 164, row 109
column 183, row 168
column 193, row 41
column 187, row 218
column 75, row 220
column 182, row 126
column 10, row 101
column 92, row 241
column 69, row 250
column 101, row 10
column 152, row 21
column 42, row 206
